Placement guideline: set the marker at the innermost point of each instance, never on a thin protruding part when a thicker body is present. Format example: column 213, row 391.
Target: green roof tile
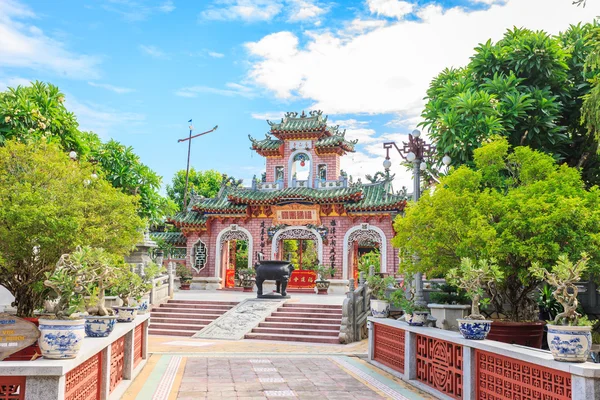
column 375, row 197
column 189, row 218
column 245, row 196
column 265, row 144
column 336, row 140
column 291, row 122
column 172, row 238
column 217, row 203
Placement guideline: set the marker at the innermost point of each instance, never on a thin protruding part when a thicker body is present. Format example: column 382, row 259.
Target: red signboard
column 230, row 278
column 302, row 279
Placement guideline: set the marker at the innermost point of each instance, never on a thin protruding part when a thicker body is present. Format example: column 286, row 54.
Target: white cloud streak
column 112, row 88
column 264, row 10
column 230, row 90
column 153, row 51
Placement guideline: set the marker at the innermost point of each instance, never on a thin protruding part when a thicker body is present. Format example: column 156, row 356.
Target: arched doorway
column 234, row 251
column 360, row 240
column 300, row 169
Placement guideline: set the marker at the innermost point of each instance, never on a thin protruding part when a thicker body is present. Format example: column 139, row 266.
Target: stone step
column 197, row 316
column 291, row 325
column 189, row 310
column 293, row 338
column 304, row 305
column 168, row 326
column 215, row 303
column 310, row 310
column 302, row 330
column 218, row 309
column 305, row 315
column 180, row 321
column 171, row 332
column 297, row 320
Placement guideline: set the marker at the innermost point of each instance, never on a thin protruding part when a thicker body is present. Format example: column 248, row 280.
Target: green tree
column 518, row 208
column 49, row 206
column 204, row 183
column 527, row 87
column 38, row 113
column 124, row 170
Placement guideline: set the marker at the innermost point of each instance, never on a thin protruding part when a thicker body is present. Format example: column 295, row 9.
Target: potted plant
column 97, row 271
column 472, row 276
column 185, row 277
column 63, row 332
column 247, row 278
column 414, row 314
column 569, row 335
column 447, row 305
column 151, row 272
column 129, row 287
column 323, row 272
column 380, row 306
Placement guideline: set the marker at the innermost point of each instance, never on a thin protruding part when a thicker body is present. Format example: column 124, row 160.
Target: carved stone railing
column 267, row 185
column 160, row 290
column 355, row 310
column 323, row 184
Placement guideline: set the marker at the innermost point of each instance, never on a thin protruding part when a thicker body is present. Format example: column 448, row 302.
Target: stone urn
column 380, row 308
column 448, row 314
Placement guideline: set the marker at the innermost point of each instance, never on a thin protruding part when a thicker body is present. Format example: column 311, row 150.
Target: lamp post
column 416, row 151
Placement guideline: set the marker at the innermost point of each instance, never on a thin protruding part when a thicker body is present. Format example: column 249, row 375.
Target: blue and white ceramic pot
column 61, row 339
column 143, row 307
column 474, row 329
column 126, row 314
column 96, row 326
column 380, row 308
column 416, row 319
column 570, row 343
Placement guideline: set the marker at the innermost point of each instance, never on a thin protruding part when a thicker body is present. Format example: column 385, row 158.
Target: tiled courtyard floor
column 266, row 377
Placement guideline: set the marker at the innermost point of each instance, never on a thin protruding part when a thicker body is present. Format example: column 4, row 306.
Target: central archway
column 233, row 232
column 296, row 232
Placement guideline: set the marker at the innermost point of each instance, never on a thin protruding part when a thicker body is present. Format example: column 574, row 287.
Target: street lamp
column 415, row 151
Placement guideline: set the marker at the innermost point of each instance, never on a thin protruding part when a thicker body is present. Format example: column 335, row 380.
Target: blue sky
column 138, row 70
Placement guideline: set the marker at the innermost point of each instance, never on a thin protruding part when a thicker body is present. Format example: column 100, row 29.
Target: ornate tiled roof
column 336, row 195
column 291, row 122
column 267, row 146
column 334, row 142
column 172, row 238
column 189, row 219
column 376, row 198
column 218, row 204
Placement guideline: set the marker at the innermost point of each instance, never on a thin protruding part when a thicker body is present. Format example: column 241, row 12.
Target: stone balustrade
column 104, row 368
column 449, row 366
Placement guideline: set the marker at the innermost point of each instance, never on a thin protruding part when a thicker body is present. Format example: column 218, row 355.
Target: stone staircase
column 296, row 322
column 185, row 317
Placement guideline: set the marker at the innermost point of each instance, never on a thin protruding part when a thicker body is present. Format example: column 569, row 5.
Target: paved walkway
column 266, row 377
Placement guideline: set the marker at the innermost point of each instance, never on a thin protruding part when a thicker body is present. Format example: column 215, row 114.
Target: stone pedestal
column 141, row 255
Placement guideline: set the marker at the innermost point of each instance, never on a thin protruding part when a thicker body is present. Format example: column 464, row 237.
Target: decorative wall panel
column 440, row 365
column 117, row 359
column 500, row 378
column 83, row 382
column 138, row 344
column 389, row 346
column 12, row 387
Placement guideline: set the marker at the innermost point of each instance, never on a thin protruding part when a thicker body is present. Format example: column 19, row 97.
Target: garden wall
column 104, row 368
column 448, row 366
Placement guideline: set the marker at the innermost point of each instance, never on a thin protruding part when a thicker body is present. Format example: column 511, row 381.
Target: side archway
column 233, row 232
column 364, row 232
column 297, row 232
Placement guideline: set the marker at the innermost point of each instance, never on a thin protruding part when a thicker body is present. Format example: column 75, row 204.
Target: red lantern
column 302, row 163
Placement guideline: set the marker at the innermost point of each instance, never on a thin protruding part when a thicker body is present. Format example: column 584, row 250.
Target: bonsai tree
column 472, row 277
column 66, row 287
column 152, row 271
column 183, row 273
column 246, row 274
column 49, row 205
column 379, row 285
column 563, row 278
column 324, row 272
column 448, row 294
column 398, row 299
column 515, row 205
column 129, row 286
column 372, row 258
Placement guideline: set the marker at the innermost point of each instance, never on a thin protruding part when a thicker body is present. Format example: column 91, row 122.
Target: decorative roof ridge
column 293, row 115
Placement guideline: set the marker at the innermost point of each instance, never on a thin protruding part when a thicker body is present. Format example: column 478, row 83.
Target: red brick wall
column 343, row 224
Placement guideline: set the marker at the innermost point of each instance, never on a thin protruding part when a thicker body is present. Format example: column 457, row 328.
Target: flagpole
column 187, row 170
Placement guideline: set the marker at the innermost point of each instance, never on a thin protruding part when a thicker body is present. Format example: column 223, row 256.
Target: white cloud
column 100, row 119
column 232, row 89
column 388, row 68
column 112, row 88
column 12, row 82
column 137, row 10
column 269, row 115
column 153, row 51
column 390, row 8
column 356, row 130
column 167, row 7
column 24, row 45
column 214, row 54
column 303, row 10
column 245, row 10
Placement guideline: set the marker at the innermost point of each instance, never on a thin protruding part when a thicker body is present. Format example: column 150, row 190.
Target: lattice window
column 365, row 235
column 500, row 378
column 233, row 235
column 117, row 360
column 179, row 253
column 294, row 234
column 12, row 387
column 389, row 346
column 439, row 365
column 84, row 382
column 138, row 344
column 200, row 255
